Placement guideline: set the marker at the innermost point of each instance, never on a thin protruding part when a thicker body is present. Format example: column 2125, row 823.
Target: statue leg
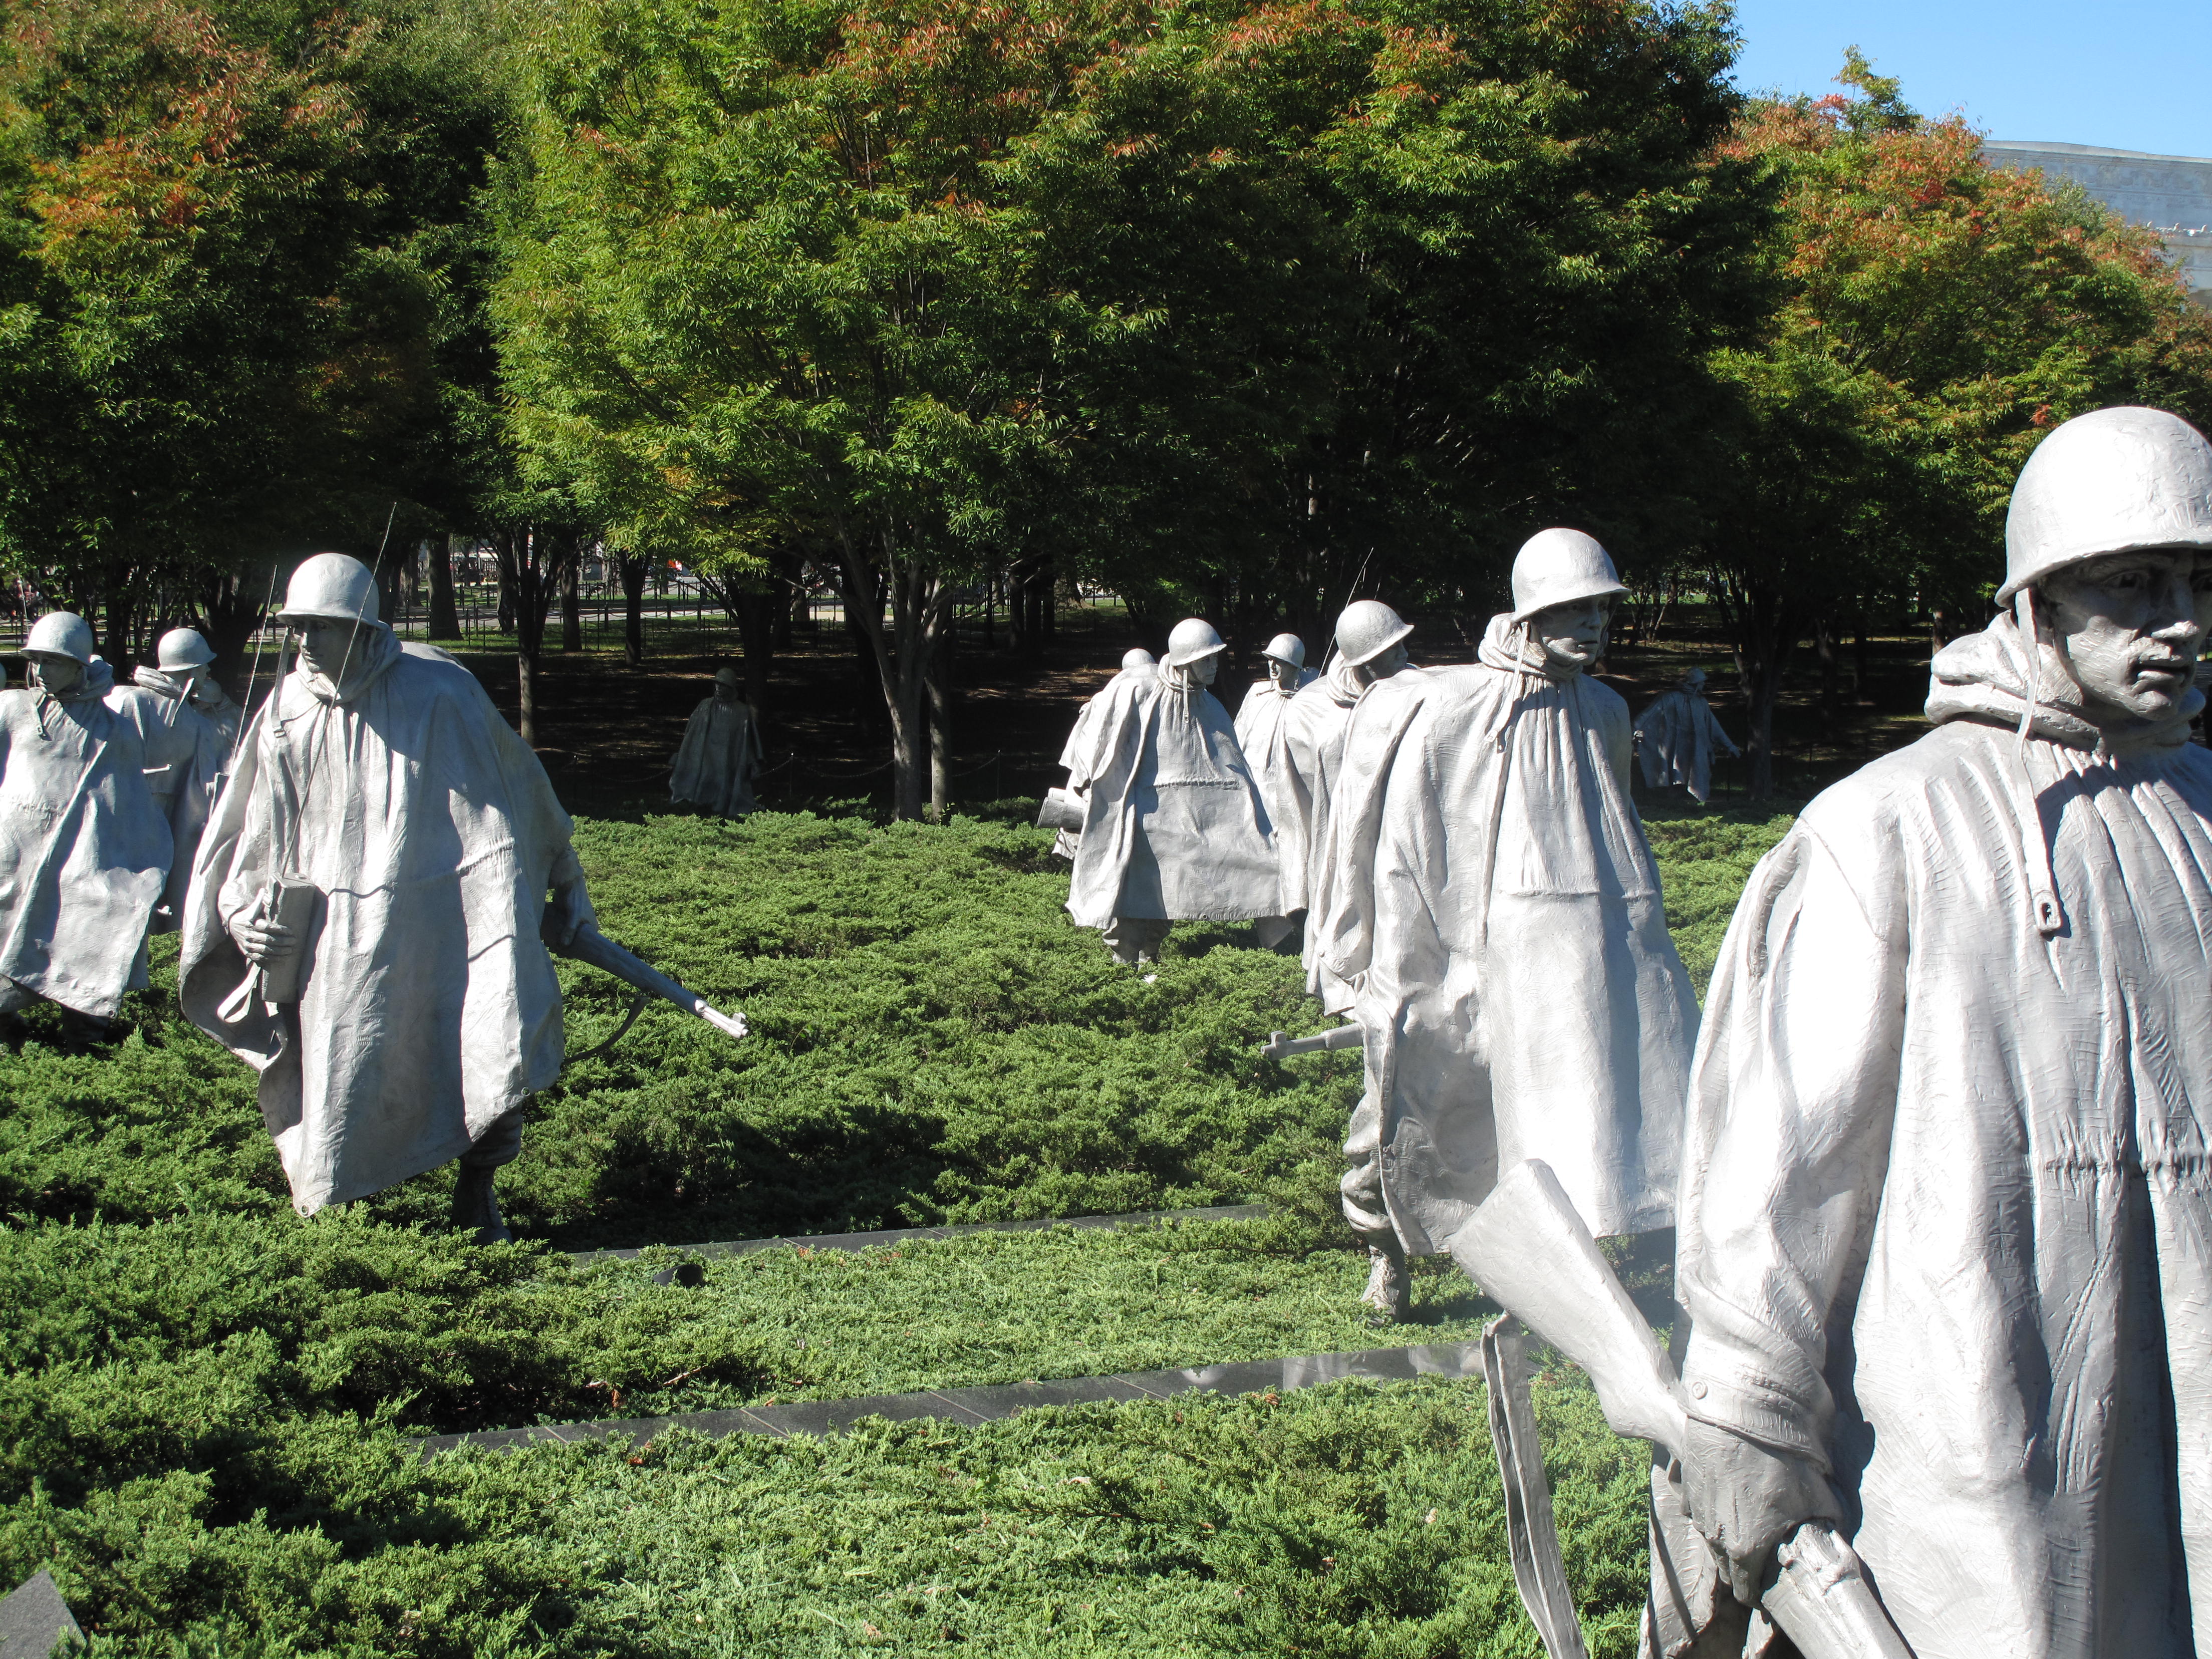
column 1134, row 939
column 1390, row 1289
column 1268, row 933
column 476, row 1206
column 14, row 998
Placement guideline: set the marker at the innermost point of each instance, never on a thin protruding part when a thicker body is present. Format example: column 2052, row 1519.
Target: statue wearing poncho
column 1079, row 757
column 1677, row 735
column 1260, row 731
column 199, row 708
column 380, row 776
column 1174, row 828
column 1946, row 1234
column 98, row 784
column 720, row 750
column 1497, row 909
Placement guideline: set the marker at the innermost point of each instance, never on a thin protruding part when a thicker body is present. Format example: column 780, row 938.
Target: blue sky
column 2129, row 74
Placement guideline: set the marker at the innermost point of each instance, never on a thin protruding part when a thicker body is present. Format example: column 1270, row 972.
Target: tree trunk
column 531, row 557
column 633, row 569
column 230, row 613
column 1767, row 630
column 121, row 602
column 444, row 615
column 757, row 628
column 572, row 599
column 940, row 725
column 901, row 659
column 505, row 599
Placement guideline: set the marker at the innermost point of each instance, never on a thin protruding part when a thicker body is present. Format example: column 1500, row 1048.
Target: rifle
column 1538, row 1260
column 591, row 945
column 1281, row 1045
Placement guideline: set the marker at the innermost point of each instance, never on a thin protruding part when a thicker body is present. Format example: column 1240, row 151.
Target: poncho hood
column 97, row 681
column 165, row 685
column 375, row 649
column 1979, row 677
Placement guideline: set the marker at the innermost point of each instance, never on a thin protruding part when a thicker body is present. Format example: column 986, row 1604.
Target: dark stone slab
column 35, row 1622
column 889, row 1238
column 998, row 1401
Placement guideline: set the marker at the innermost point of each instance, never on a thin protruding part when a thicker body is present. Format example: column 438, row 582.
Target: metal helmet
column 61, row 633
column 1287, row 647
column 1558, row 567
column 2111, row 481
column 1694, row 680
column 1194, row 638
column 1136, row 658
column 183, row 648
column 333, row 585
column 725, row 675
column 1368, row 627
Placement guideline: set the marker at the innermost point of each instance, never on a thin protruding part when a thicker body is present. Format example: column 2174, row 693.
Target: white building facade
column 2172, row 194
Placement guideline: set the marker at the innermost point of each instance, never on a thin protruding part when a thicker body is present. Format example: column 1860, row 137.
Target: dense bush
column 206, row 1398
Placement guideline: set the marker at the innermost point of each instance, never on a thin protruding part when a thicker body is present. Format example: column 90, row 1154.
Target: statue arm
column 1791, row 1109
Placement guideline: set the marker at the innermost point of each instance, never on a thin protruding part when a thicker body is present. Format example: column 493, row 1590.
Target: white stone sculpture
column 721, row 749
column 1946, row 1209
column 183, row 672
column 364, row 926
column 1494, row 903
column 1371, row 646
column 1677, row 735
column 98, row 783
column 1174, row 828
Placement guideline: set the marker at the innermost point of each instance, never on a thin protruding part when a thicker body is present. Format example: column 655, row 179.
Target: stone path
column 994, row 1401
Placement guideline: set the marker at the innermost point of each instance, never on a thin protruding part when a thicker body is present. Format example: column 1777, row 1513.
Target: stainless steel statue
column 1947, row 1203
column 1371, row 646
column 1677, row 737
column 720, row 752
column 1173, row 826
column 1063, row 808
column 183, row 672
column 364, row 925
column 98, row 785
column 1495, row 905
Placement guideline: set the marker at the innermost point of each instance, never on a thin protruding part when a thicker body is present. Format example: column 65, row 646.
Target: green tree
column 1939, row 314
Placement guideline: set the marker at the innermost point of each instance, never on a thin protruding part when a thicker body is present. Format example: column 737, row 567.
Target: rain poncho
column 1079, row 757
column 1677, row 737
column 716, row 761
column 1174, row 827
column 96, row 784
column 1495, row 906
column 1946, row 1228
column 186, row 790
column 1260, row 734
column 429, row 1008
column 206, row 699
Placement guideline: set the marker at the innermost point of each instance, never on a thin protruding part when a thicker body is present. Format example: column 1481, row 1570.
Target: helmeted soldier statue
column 1262, row 734
column 184, row 671
column 1174, row 828
column 365, row 923
column 1946, row 1211
column 1496, row 905
column 98, row 783
column 721, row 749
column 1078, row 755
column 1371, row 646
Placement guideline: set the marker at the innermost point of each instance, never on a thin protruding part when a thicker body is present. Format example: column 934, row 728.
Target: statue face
column 1382, row 667
column 2130, row 627
column 56, row 673
column 1573, row 635
column 1283, row 674
column 724, row 693
column 324, row 644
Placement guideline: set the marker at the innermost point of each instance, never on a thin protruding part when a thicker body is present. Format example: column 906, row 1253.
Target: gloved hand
column 263, row 940
column 1746, row 1499
column 571, row 909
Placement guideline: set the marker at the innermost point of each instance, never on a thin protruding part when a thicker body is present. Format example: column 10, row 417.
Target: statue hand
column 571, row 908
column 263, row 941
column 1746, row 1499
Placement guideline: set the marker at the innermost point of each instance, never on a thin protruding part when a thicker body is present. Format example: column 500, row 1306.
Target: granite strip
column 889, row 1237
column 994, row 1402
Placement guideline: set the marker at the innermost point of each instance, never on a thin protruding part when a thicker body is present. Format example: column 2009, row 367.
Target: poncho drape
column 1945, row 1226
column 86, row 841
column 1174, row 828
column 1496, row 909
column 1263, row 737
column 186, row 791
column 716, row 762
column 1680, row 737
column 430, row 1007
